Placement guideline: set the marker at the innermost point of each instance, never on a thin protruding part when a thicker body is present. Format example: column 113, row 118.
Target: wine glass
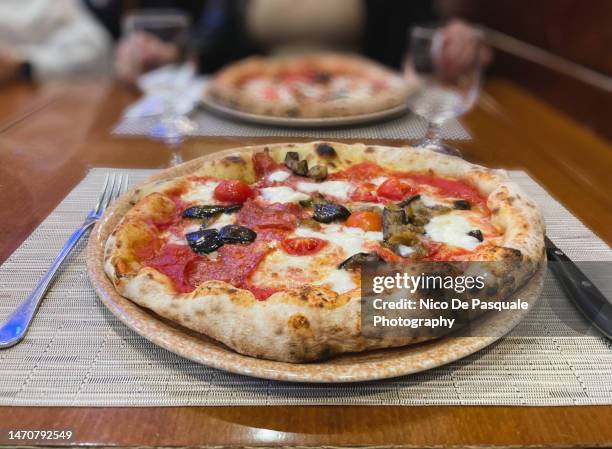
column 167, row 26
column 446, row 88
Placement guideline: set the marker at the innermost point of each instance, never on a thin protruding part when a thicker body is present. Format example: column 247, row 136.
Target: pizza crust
column 312, row 322
column 223, row 88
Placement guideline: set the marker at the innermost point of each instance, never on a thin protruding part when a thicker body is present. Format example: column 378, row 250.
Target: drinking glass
column 441, row 94
column 169, row 26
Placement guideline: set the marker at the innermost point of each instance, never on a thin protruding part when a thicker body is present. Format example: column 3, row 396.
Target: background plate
column 327, row 122
column 372, row 365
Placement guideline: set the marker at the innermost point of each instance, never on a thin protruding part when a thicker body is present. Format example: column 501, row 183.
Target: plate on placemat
column 372, row 365
column 295, row 122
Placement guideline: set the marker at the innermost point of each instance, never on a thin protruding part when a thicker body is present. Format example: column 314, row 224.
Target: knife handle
column 587, row 297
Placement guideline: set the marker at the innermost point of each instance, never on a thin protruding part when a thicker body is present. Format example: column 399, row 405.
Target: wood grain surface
column 51, row 135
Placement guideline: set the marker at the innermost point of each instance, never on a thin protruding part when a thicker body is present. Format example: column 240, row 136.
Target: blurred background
column 544, row 105
column 558, row 49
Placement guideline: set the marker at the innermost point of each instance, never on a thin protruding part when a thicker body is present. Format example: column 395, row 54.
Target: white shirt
column 289, row 26
column 58, row 37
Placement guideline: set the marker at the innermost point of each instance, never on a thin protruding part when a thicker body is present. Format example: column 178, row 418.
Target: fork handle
column 16, row 325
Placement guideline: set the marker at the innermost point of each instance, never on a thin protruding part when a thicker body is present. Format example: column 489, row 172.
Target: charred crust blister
column 235, row 159
column 325, row 150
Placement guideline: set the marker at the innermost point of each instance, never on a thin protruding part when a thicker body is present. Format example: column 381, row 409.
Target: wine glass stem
column 433, row 134
column 177, row 159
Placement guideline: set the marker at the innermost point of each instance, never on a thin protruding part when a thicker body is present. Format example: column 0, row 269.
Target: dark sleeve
column 108, row 14
column 387, row 25
column 220, row 35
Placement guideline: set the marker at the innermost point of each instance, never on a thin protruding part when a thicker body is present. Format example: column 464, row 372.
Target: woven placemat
column 78, row 354
column 407, row 126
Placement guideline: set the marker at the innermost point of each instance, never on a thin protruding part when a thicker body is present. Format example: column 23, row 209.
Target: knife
column 585, row 295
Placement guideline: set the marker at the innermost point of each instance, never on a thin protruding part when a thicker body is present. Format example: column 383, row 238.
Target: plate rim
column 178, row 341
column 291, row 122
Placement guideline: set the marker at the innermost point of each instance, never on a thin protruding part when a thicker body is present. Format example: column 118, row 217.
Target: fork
column 17, row 324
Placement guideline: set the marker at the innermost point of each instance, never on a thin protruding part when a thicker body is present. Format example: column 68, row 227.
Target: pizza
column 313, row 86
column 262, row 249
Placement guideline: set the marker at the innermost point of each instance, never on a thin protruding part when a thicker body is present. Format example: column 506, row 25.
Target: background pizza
column 262, row 250
column 314, row 86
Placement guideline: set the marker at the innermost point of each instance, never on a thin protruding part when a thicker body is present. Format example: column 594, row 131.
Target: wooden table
column 51, row 135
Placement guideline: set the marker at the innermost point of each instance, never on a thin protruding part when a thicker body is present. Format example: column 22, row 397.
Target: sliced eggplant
column 326, row 213
column 407, row 234
column 477, row 234
column 209, row 211
column 360, row 259
column 305, row 203
column 311, row 224
column 409, row 200
column 396, row 230
column 291, row 157
column 393, row 217
column 301, row 168
column 318, row 172
column 461, row 204
column 204, row 241
column 293, row 163
column 237, row 234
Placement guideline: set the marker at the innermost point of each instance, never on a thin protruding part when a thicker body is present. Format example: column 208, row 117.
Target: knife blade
column 583, row 293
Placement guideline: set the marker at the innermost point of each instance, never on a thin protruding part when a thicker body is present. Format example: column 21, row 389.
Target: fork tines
column 114, row 186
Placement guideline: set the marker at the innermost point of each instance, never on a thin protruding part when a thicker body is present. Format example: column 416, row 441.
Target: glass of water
column 444, row 90
column 160, row 37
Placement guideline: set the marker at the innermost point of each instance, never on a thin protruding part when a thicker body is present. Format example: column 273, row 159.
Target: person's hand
column 141, row 52
column 460, row 46
column 9, row 66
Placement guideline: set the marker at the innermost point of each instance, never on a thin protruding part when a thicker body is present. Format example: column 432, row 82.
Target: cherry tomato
column 365, row 192
column 366, row 220
column 303, row 246
column 395, row 189
column 233, row 191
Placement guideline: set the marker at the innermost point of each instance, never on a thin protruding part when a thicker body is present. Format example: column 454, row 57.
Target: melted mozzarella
column 339, row 281
column 430, row 201
column 282, row 194
column 404, row 250
column 200, row 193
column 280, row 269
column 452, row 229
column 278, row 176
column 174, row 239
column 337, row 189
column 351, row 240
column 223, row 220
column 378, row 181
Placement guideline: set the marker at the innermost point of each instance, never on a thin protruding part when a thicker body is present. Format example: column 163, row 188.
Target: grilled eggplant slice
column 204, row 241
column 207, row 211
column 328, row 212
column 237, row 234
column 360, row 259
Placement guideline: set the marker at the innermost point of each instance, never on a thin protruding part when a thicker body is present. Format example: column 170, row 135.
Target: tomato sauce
column 359, row 172
column 447, row 187
column 235, row 263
